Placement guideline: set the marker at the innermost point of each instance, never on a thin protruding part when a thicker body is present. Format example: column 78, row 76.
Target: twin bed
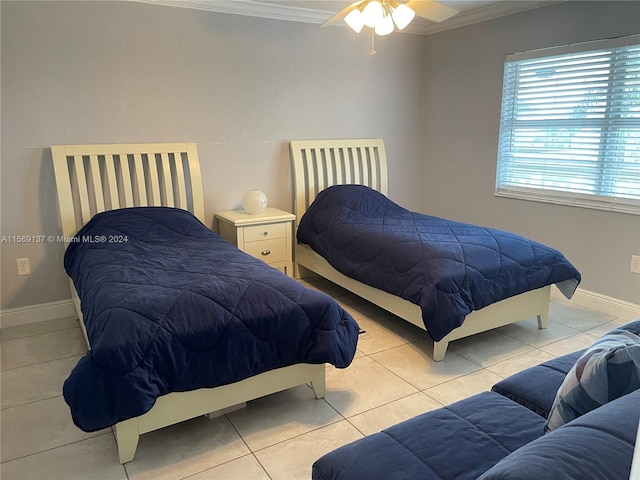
column 180, row 323
column 452, row 279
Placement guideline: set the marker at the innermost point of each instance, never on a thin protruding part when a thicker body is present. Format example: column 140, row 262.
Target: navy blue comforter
column 170, row 306
column 447, row 268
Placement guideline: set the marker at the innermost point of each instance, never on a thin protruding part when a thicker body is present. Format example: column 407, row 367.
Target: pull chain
column 372, row 51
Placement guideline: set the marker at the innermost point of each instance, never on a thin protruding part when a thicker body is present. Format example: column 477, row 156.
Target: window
column 570, row 126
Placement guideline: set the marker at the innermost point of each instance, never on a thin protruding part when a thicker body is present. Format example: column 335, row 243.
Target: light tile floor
column 392, row 378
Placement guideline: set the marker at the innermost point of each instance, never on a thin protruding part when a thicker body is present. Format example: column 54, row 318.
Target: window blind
column 570, row 125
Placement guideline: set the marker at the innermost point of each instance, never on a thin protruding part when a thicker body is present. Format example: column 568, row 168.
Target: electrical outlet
column 635, row 263
column 24, row 268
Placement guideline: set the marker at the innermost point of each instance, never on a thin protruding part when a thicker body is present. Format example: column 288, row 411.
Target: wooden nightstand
column 267, row 236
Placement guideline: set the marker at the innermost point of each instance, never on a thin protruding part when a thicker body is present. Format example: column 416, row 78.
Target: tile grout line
column 54, row 448
column 31, row 402
column 3, row 340
column 43, row 362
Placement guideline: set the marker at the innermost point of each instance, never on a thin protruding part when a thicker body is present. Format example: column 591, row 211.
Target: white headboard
column 318, row 164
column 95, row 178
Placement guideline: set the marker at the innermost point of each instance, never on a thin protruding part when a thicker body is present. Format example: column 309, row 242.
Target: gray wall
column 241, row 87
column 463, row 90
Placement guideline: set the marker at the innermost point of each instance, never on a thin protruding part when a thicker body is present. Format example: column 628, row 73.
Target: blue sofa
column 498, row 435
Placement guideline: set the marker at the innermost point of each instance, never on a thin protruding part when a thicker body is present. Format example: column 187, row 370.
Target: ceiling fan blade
column 338, row 17
column 434, row 11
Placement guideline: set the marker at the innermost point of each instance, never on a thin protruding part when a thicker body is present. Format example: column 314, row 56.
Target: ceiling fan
column 384, row 16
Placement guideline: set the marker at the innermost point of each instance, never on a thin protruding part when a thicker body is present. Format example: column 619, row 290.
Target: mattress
column 448, row 268
column 170, row 306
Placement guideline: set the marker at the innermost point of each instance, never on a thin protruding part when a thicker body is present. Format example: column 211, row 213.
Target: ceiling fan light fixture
column 372, row 13
column 384, row 26
column 402, row 15
column 355, row 20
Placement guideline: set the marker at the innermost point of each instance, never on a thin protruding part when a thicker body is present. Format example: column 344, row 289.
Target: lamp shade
column 254, row 201
column 355, row 20
column 372, row 13
column 402, row 16
column 385, row 25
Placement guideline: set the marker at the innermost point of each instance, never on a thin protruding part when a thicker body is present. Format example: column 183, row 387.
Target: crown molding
column 489, row 12
column 275, row 11
column 250, row 8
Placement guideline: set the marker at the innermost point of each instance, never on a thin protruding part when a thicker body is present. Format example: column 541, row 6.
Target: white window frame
column 517, row 169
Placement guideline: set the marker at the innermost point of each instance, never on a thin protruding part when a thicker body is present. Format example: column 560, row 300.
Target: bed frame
column 95, row 178
column 318, row 164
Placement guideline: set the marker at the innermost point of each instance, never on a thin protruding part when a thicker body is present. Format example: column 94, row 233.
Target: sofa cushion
column 536, row 387
column 607, row 370
column 460, row 441
column 598, row 445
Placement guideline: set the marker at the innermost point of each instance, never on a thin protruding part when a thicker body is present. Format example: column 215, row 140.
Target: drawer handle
column 265, row 252
column 265, row 233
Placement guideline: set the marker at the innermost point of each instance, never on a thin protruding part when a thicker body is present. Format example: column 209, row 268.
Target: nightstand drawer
column 268, row 251
column 264, row 232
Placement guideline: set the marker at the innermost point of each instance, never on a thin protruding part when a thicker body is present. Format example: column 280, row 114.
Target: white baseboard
column 12, row 317
column 602, row 303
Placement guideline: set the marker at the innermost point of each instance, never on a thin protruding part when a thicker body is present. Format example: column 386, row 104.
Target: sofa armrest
column 599, row 444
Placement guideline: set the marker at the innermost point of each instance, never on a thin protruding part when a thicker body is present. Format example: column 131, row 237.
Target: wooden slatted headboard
column 95, row 178
column 318, row 164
